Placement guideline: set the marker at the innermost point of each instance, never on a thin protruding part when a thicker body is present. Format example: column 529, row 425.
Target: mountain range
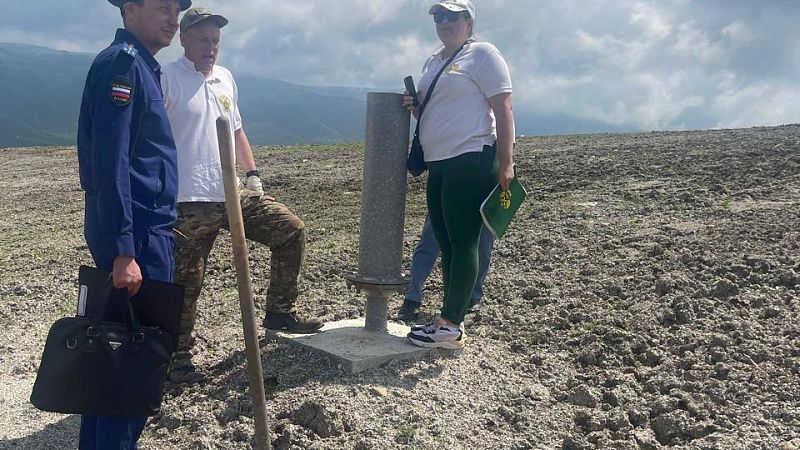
column 42, row 89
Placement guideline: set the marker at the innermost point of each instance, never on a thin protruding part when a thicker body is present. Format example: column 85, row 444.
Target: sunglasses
column 450, row 16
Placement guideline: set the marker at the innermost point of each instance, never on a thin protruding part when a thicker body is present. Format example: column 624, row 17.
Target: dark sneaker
column 474, row 306
column 408, row 312
column 184, row 371
column 437, row 335
column 291, row 323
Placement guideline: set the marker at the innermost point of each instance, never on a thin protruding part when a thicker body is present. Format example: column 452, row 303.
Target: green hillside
column 42, row 93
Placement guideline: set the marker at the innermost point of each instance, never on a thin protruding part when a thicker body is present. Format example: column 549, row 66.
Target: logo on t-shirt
column 225, row 102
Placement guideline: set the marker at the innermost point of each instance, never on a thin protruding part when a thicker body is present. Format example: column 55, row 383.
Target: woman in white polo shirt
column 467, row 133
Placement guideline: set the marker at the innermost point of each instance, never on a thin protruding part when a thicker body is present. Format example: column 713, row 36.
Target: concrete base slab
column 354, row 347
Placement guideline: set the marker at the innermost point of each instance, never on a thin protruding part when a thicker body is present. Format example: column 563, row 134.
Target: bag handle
column 99, row 313
column 433, row 84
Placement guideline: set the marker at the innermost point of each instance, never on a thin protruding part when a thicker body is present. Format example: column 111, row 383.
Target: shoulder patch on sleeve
column 120, row 91
column 123, row 61
column 130, row 49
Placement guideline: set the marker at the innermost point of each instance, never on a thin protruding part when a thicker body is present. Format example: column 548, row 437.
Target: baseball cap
column 455, row 5
column 185, row 4
column 199, row 14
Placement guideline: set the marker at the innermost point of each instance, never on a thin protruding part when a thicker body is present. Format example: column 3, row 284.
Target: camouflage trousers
column 266, row 221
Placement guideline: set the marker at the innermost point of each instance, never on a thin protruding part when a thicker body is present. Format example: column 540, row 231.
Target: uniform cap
column 185, row 4
column 199, row 14
column 455, row 5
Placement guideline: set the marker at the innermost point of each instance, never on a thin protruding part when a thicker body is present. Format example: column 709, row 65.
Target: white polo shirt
column 193, row 103
column 458, row 118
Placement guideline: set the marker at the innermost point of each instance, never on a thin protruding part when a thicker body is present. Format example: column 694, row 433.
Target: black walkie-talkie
column 412, row 91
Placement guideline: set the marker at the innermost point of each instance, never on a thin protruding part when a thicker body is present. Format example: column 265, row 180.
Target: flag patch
column 121, row 91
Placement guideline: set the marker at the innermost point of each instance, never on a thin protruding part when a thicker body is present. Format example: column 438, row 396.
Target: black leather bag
column 416, row 155
column 102, row 368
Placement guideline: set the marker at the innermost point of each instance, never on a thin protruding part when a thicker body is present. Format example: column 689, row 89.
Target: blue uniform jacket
column 126, row 152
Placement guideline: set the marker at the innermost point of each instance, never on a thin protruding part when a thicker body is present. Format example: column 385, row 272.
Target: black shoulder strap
column 433, row 83
column 122, row 62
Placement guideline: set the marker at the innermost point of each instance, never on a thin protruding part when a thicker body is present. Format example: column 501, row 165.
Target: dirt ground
column 646, row 297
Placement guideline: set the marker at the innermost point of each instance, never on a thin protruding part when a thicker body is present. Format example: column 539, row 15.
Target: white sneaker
column 436, row 334
column 421, row 326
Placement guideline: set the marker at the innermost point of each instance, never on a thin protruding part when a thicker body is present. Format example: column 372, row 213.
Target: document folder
column 500, row 206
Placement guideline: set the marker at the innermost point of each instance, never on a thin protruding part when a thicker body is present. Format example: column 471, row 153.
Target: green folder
column 500, row 206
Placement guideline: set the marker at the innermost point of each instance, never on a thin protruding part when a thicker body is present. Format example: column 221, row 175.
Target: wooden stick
column 234, row 209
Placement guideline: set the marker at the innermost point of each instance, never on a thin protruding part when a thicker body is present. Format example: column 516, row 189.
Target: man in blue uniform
column 127, row 163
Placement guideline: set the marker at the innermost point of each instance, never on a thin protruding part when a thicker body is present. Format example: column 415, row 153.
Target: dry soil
column 646, row 297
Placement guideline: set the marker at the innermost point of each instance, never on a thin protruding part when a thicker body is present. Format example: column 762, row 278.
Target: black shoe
column 291, row 322
column 408, row 312
column 474, row 306
column 183, row 371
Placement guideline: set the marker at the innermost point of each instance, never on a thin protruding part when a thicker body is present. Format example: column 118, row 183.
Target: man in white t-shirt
column 196, row 92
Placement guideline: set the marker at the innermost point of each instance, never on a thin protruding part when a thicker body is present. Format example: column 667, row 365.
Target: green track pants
column 456, row 188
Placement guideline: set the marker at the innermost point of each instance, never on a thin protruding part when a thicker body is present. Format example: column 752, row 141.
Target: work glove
column 253, row 186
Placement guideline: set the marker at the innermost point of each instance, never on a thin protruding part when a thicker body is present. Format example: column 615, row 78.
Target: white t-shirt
column 193, row 103
column 458, row 118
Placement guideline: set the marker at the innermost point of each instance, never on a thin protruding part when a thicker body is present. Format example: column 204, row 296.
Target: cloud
column 736, row 105
column 632, row 64
column 658, row 65
column 738, row 33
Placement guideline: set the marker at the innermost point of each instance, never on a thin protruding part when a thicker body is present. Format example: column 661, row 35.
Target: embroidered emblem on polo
column 452, row 68
column 225, row 102
column 121, row 91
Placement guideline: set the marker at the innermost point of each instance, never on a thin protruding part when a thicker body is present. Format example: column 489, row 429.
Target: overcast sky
column 666, row 64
